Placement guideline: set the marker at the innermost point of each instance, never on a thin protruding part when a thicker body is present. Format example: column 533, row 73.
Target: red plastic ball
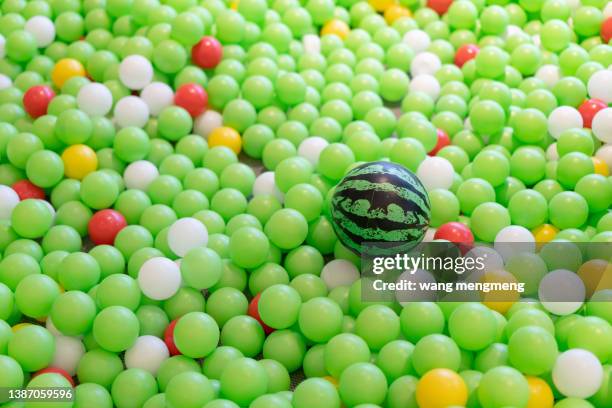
column 254, row 313
column 207, row 53
column 25, row 189
column 443, row 141
column 439, row 6
column 169, row 338
column 191, row 97
column 465, row 53
column 458, row 233
column 55, row 370
column 37, row 99
column 105, row 225
column 588, row 109
column 606, row 30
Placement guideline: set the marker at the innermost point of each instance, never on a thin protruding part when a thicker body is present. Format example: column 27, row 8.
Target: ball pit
column 170, row 173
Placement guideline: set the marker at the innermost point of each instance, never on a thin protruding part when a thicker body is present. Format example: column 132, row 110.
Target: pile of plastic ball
column 147, row 261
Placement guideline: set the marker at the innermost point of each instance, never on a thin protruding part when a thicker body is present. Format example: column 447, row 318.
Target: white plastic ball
column 157, row 96
column 139, row 174
column 68, row 353
column 561, row 292
column 563, row 118
column 467, row 123
column 425, row 63
column 8, row 200
column 605, row 153
column 339, row 272
column 549, row 73
column 135, row 72
column 312, row 44
column 265, row 184
column 515, row 234
column 577, row 373
column 512, row 30
column 513, row 240
column 490, row 258
column 43, row 30
column 147, row 353
column 436, row 172
column 607, row 11
column 551, row 152
column 5, row 82
column 2, row 46
column 486, row 260
column 419, row 277
column 600, row 85
column 602, row 125
column 207, row 122
column 311, row 149
column 159, row 278
column 95, row 99
column 131, row 111
column 51, row 210
column 429, row 234
column 418, row 40
column 49, row 325
column 185, row 234
column 427, row 84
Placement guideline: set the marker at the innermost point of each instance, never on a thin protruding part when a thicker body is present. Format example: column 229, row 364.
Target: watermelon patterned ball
column 380, row 204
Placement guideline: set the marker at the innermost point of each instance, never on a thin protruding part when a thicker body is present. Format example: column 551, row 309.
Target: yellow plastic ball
column 19, row 326
column 234, row 5
column 65, row 69
column 440, row 388
column 395, row 12
column 79, row 160
column 336, row 27
column 332, row 380
column 225, row 136
column 540, row 394
column 544, row 233
column 596, row 275
column 382, row 5
column 499, row 300
column 600, row 166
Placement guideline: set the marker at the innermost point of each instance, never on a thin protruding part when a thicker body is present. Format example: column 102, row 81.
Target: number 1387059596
column 54, row 394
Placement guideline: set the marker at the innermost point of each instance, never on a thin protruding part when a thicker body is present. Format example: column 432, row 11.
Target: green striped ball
column 382, row 205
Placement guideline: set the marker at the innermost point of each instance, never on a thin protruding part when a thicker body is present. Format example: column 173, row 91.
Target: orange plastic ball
column 600, row 166
column 225, row 136
column 441, row 388
column 336, row 27
column 540, row 394
column 396, row 11
column 544, row 233
column 65, row 69
column 79, row 160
